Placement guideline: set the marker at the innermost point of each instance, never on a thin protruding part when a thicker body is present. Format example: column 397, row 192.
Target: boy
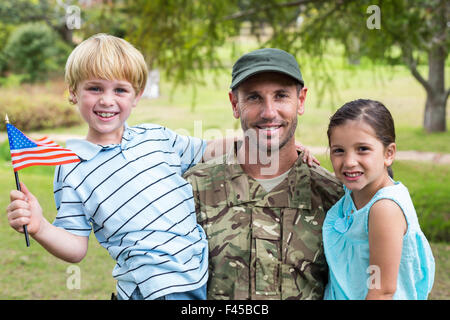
column 128, row 186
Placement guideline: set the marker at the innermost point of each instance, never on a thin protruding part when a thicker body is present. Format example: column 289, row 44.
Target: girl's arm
column 387, row 226
column 25, row 209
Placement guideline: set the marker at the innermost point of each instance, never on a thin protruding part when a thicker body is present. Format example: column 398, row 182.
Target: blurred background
column 392, row 51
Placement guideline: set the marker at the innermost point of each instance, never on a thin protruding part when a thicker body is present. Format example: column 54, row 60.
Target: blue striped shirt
column 133, row 197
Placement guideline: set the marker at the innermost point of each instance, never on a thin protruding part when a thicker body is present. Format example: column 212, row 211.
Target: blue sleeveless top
column 346, row 243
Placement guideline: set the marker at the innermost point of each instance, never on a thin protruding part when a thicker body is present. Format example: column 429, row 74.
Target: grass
column 32, row 273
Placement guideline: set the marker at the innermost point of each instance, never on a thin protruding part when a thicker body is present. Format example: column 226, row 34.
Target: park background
column 344, row 53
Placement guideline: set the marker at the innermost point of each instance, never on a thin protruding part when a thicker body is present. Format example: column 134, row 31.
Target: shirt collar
column 87, row 150
column 298, row 193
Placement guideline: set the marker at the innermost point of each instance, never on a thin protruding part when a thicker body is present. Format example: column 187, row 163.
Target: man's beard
column 257, row 138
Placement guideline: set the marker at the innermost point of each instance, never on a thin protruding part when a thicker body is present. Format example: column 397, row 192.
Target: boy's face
column 105, row 105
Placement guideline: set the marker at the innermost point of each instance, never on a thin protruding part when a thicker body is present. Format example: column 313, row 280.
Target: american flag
column 26, row 152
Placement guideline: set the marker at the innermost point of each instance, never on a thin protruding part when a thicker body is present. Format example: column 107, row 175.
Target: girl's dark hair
column 373, row 113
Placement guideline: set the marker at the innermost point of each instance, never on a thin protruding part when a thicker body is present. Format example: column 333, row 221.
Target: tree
column 33, row 51
column 411, row 32
column 52, row 12
column 182, row 36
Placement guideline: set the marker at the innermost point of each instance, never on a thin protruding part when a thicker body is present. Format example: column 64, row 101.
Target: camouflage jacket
column 264, row 245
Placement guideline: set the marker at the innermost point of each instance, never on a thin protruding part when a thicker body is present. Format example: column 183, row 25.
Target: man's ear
column 389, row 154
column 234, row 104
column 301, row 100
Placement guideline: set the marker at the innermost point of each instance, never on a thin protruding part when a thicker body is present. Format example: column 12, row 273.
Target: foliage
column 183, row 37
column 43, row 113
column 18, row 11
column 192, row 29
column 51, row 35
column 35, row 108
column 5, row 31
column 50, row 12
column 33, row 50
column 104, row 18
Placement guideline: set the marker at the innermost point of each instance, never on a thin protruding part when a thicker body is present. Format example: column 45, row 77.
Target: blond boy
column 128, row 186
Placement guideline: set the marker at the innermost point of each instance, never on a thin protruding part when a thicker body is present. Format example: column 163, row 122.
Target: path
column 438, row 158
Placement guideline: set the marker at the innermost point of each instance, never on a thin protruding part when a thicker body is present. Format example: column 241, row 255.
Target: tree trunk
column 434, row 117
column 66, row 34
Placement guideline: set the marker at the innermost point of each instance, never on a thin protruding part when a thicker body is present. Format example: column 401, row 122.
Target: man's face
column 268, row 104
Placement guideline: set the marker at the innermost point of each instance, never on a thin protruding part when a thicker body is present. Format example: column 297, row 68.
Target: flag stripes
column 26, row 152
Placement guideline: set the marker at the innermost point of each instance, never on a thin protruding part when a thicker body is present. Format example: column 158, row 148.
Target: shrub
column 34, row 50
column 5, row 31
column 37, row 107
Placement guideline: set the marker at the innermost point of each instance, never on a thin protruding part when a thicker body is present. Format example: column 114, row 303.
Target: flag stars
column 17, row 139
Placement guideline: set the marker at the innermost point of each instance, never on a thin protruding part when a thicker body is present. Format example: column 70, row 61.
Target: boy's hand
column 24, row 209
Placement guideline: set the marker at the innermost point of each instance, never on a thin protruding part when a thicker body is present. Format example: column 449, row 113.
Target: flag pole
column 16, row 176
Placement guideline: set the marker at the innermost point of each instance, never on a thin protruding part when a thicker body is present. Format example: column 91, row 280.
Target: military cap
column 265, row 60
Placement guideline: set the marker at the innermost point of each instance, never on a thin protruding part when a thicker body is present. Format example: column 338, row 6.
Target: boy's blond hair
column 107, row 57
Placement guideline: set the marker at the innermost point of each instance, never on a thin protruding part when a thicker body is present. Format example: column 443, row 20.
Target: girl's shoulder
column 391, row 198
column 397, row 193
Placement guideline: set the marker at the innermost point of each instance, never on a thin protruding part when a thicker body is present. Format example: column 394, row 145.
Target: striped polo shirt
column 132, row 195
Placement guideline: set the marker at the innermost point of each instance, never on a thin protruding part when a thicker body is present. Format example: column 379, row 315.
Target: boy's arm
column 61, row 243
column 24, row 209
column 218, row 147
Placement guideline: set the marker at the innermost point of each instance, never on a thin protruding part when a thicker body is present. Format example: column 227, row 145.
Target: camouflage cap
column 265, row 60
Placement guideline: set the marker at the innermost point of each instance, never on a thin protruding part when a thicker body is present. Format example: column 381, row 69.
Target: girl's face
column 359, row 158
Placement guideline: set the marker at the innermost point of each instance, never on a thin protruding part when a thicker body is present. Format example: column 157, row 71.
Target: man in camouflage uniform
column 263, row 219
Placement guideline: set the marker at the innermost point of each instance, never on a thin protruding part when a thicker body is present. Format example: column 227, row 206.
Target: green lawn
column 32, row 273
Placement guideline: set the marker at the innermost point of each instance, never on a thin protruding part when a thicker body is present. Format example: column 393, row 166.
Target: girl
column 373, row 243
